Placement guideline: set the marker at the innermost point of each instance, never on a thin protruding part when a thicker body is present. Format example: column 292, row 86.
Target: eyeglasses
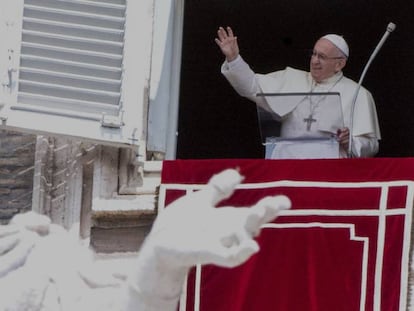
column 323, row 57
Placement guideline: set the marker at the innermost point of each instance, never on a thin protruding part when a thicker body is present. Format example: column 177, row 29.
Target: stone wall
column 75, row 182
column 17, row 152
column 59, row 183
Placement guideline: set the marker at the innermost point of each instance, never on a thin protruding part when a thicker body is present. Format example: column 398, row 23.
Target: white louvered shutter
column 76, row 71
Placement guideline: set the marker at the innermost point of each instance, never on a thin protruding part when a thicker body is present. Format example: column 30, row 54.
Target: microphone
column 390, row 28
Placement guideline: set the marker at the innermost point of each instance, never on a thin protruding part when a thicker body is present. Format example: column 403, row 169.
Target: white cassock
column 365, row 131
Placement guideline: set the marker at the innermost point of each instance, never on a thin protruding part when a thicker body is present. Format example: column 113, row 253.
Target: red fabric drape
column 344, row 245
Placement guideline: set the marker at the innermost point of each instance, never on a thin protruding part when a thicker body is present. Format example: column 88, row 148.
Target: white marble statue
column 43, row 267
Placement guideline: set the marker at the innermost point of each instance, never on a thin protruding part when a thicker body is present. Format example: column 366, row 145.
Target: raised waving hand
column 227, row 42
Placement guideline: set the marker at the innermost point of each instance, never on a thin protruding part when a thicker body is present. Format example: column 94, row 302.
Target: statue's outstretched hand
column 193, row 231
column 18, row 239
column 227, row 42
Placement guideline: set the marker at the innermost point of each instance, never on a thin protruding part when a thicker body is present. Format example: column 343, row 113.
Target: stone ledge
column 121, row 224
column 113, row 219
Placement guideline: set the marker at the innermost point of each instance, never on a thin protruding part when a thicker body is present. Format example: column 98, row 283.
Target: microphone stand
column 390, row 28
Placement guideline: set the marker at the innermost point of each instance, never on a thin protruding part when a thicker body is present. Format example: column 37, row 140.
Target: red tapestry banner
column 344, row 244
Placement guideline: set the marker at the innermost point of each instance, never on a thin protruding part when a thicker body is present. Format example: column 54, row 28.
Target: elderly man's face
column 326, row 60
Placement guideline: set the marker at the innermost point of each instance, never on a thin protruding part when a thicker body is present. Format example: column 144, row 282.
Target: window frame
column 99, row 129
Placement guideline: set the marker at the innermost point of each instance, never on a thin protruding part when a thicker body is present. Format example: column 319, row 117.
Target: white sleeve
column 242, row 79
column 364, row 146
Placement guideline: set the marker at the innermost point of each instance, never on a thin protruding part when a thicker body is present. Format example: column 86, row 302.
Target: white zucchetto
column 339, row 42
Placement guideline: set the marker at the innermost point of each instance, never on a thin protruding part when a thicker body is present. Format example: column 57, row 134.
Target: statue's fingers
column 223, row 184
column 272, row 207
column 219, row 187
column 230, row 240
column 264, row 211
column 8, row 230
column 233, row 256
column 8, row 242
column 16, row 257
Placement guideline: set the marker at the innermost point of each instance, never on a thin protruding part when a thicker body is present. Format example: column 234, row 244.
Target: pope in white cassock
column 328, row 58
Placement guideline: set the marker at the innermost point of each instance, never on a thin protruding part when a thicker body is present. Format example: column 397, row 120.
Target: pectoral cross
column 309, row 120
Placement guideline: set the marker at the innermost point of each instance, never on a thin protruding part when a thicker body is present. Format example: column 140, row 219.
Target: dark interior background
column 214, row 122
